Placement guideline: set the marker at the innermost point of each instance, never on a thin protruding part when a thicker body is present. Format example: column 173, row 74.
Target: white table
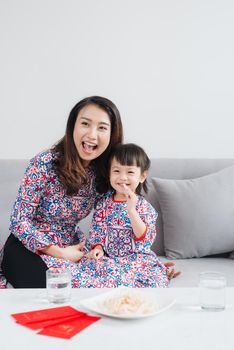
column 184, row 326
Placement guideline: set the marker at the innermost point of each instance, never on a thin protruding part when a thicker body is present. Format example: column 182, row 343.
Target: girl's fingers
column 128, row 192
column 172, row 274
column 177, row 274
column 89, row 254
column 127, row 189
column 97, row 253
column 169, row 264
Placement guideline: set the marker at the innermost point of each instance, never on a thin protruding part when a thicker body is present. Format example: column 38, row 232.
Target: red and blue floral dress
column 128, row 259
column 44, row 215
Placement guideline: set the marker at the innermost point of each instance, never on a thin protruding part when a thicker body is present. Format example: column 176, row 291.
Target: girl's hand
column 96, row 253
column 73, row 253
column 171, row 273
column 131, row 198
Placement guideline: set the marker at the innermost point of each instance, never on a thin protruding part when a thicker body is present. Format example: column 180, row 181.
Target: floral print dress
column 44, row 215
column 128, row 260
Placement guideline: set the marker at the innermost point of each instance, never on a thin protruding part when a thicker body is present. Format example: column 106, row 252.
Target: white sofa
column 181, row 169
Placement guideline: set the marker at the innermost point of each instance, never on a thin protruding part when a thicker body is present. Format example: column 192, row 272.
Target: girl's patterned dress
column 44, row 214
column 128, row 259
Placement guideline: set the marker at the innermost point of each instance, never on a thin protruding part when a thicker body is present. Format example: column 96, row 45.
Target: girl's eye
column 131, row 172
column 115, row 171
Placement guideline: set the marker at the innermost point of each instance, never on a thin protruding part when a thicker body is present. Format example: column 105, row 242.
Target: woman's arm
column 26, row 205
column 73, row 253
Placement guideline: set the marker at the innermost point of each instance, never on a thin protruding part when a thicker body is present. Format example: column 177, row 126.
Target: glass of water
column 212, row 291
column 58, row 285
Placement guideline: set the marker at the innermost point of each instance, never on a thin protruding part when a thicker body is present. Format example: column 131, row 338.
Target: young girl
column 124, row 224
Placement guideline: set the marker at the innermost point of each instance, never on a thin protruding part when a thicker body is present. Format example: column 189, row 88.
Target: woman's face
column 91, row 133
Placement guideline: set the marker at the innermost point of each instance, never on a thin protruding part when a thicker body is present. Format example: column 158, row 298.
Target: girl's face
column 130, row 175
column 91, row 133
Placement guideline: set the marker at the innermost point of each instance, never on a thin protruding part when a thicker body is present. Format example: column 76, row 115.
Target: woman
column 58, row 190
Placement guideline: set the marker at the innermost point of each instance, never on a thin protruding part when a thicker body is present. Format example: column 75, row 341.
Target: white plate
column 95, row 304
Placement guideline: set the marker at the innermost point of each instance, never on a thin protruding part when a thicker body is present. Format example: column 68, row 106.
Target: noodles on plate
column 129, row 302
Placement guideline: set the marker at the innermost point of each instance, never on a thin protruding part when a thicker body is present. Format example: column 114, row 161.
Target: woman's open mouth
column 88, row 147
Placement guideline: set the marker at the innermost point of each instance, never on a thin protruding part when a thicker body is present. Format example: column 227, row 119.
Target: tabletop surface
column 183, row 326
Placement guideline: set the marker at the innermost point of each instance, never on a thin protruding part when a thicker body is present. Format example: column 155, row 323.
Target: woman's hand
column 171, row 273
column 96, row 253
column 73, row 252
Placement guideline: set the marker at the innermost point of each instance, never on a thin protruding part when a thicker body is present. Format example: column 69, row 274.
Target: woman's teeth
column 88, row 147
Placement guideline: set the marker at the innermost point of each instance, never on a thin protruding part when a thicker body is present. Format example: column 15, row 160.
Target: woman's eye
column 103, row 128
column 115, row 171
column 131, row 172
column 84, row 123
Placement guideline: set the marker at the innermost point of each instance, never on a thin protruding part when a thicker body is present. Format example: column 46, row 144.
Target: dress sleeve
column 149, row 216
column 97, row 233
column 25, row 207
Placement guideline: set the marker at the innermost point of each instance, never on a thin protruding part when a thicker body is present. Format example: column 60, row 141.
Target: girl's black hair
column 131, row 154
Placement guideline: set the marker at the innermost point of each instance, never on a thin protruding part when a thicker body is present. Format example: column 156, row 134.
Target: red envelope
column 45, row 314
column 68, row 329
column 47, row 323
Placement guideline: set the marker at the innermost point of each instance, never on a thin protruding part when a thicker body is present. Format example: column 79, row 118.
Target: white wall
column 167, row 64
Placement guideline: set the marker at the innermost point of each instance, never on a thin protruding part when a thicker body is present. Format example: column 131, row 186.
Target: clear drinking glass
column 58, row 285
column 212, row 291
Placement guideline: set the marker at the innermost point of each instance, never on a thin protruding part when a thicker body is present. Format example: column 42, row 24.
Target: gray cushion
column 198, row 214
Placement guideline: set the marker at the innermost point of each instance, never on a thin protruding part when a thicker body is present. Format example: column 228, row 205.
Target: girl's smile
column 125, row 175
